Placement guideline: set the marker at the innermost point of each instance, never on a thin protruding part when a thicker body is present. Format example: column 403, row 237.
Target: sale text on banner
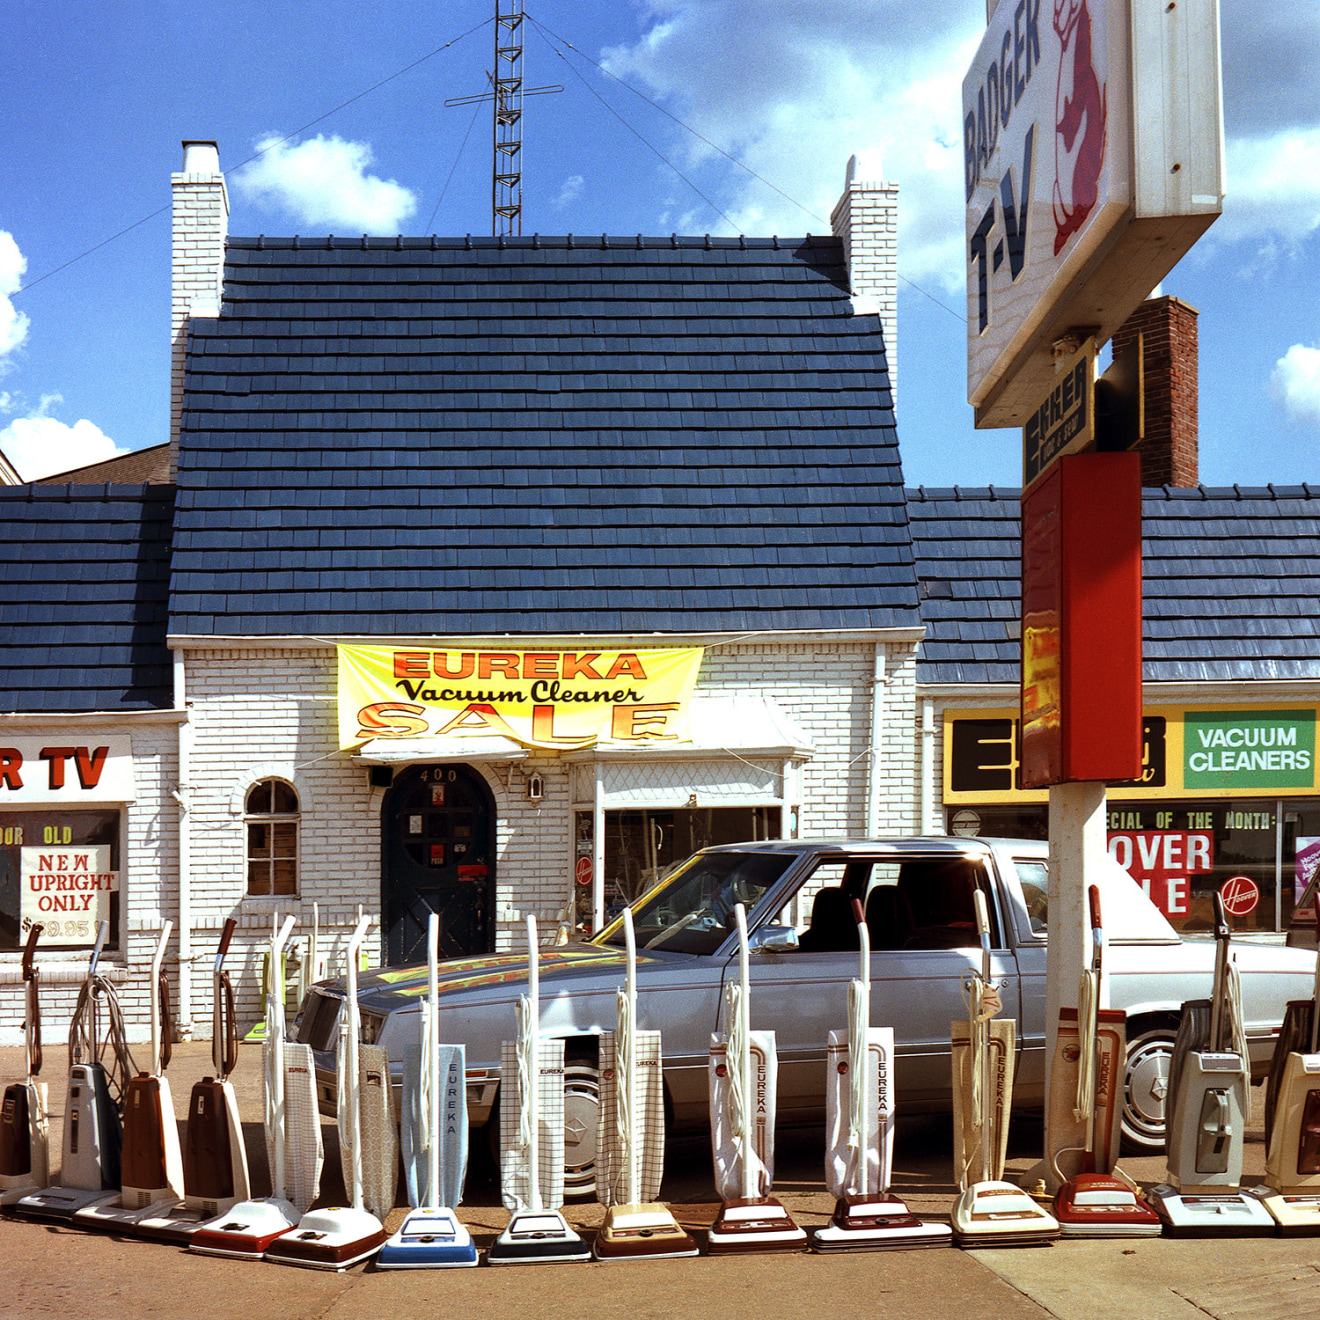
column 68, row 890
column 543, row 698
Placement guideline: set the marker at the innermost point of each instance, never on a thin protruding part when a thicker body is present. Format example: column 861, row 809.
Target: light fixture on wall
column 535, row 788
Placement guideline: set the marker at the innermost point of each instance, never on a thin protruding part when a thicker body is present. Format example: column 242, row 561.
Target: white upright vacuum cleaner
column 434, row 1128
column 742, row 1126
column 293, row 1136
column 859, row 1122
column 1095, row 1201
column 1291, row 1191
column 632, row 1136
column 532, row 1167
column 151, row 1165
column 89, row 1168
column 339, row 1237
column 24, row 1127
column 215, row 1169
column 991, row 1212
column 1207, row 1114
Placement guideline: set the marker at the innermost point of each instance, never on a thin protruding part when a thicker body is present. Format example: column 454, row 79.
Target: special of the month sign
column 544, row 698
column 68, row 890
column 1092, row 145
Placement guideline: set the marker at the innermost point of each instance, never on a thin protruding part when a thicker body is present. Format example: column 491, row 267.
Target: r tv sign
column 1093, row 160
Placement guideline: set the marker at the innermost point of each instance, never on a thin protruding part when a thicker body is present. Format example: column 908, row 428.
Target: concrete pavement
column 62, row 1271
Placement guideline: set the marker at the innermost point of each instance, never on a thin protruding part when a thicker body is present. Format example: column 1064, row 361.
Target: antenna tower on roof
column 506, row 95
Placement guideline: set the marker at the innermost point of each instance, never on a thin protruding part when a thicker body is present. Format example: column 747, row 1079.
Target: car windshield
column 692, row 911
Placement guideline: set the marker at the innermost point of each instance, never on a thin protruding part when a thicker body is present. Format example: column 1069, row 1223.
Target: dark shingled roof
column 84, row 580
column 1232, row 576
column 448, row 436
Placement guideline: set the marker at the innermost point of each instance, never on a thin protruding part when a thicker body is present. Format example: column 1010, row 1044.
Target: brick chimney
column 201, row 224
column 866, row 219
column 1167, row 327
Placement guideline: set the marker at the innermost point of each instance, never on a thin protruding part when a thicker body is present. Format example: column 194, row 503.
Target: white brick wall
column 866, row 219
column 201, row 225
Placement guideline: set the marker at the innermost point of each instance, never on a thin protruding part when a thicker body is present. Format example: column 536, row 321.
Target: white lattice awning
column 720, row 724
column 439, row 751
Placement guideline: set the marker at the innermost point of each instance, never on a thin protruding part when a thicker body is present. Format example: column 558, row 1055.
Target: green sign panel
column 1249, row 749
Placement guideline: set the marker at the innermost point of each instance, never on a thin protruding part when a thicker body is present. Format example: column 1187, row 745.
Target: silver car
column 916, row 897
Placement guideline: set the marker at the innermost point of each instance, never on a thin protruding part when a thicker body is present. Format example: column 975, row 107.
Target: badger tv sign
column 1092, row 160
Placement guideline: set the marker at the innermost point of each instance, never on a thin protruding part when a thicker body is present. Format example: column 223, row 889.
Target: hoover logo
column 1249, row 749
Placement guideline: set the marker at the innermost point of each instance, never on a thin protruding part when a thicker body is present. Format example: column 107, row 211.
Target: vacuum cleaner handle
column 166, row 1020
column 225, row 936
column 32, row 979
column 1218, row 1015
column 102, row 934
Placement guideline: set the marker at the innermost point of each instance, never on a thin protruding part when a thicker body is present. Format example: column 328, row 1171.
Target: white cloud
column 323, row 183
column 40, row 445
column 808, row 89
column 1273, row 190
column 570, row 190
column 13, row 323
column 1295, row 382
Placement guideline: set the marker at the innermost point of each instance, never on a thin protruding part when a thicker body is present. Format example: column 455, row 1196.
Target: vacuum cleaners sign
column 67, row 890
column 551, row 699
column 1249, row 749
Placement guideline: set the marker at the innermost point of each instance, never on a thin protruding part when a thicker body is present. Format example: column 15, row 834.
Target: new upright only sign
column 1093, row 159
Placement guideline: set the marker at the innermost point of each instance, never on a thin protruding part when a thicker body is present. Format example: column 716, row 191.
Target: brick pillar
column 201, row 224
column 866, row 219
column 1167, row 327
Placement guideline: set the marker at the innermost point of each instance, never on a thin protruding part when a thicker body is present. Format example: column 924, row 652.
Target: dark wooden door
column 439, row 823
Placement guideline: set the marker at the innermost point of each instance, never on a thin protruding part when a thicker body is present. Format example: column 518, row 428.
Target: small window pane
column 285, row 800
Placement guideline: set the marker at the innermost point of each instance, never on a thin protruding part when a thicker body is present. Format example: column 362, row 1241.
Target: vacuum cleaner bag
column 453, row 1136
column 1067, row 1130
column 966, row 1124
column 724, row 1137
column 515, row 1138
column 842, row 1175
column 648, row 1123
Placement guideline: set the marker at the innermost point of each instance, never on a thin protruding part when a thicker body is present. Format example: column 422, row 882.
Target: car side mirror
column 773, row 939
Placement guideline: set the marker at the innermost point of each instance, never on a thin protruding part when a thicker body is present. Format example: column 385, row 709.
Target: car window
column 821, row 910
column 693, row 910
column 1034, row 877
column 926, row 903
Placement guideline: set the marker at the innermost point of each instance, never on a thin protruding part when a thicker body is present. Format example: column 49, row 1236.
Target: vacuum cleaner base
column 60, row 1204
column 1099, row 1205
column 877, row 1223
column 537, row 1237
column 428, row 1240
column 756, row 1223
column 247, row 1230
column 1296, row 1215
column 123, row 1213
column 333, row 1238
column 1210, row 1212
column 998, row 1214
column 642, row 1232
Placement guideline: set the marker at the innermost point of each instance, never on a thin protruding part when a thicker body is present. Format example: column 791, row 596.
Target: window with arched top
column 270, row 812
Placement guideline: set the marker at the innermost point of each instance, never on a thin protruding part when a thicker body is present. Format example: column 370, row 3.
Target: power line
column 270, row 146
column 545, row 33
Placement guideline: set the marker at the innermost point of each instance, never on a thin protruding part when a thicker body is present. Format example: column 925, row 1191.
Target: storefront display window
column 61, row 868
column 642, row 847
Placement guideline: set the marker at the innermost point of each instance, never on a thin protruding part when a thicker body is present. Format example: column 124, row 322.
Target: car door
column 924, row 944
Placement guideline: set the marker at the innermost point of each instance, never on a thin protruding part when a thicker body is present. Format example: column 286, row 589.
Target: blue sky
column 99, row 97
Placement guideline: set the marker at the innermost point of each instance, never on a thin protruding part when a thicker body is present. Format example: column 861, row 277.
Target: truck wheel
column 1145, row 1085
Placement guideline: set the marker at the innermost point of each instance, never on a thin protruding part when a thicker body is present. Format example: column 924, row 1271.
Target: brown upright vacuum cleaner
column 24, row 1140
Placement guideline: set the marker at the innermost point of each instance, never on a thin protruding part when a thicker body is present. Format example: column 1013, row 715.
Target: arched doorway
column 439, row 856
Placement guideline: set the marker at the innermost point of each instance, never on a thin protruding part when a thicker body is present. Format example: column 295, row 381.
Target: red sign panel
column 1163, row 863
column 1081, row 622
column 582, row 871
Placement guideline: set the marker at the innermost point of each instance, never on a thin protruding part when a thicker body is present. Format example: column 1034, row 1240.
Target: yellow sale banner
column 544, row 698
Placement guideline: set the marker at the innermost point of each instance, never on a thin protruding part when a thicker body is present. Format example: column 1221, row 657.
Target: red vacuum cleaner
column 24, row 1129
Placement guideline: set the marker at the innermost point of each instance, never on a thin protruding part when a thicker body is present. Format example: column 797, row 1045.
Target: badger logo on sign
column 1080, row 112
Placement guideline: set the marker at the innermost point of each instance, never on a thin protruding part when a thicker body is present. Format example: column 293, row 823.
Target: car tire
column 1145, row 1084
column 581, row 1123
